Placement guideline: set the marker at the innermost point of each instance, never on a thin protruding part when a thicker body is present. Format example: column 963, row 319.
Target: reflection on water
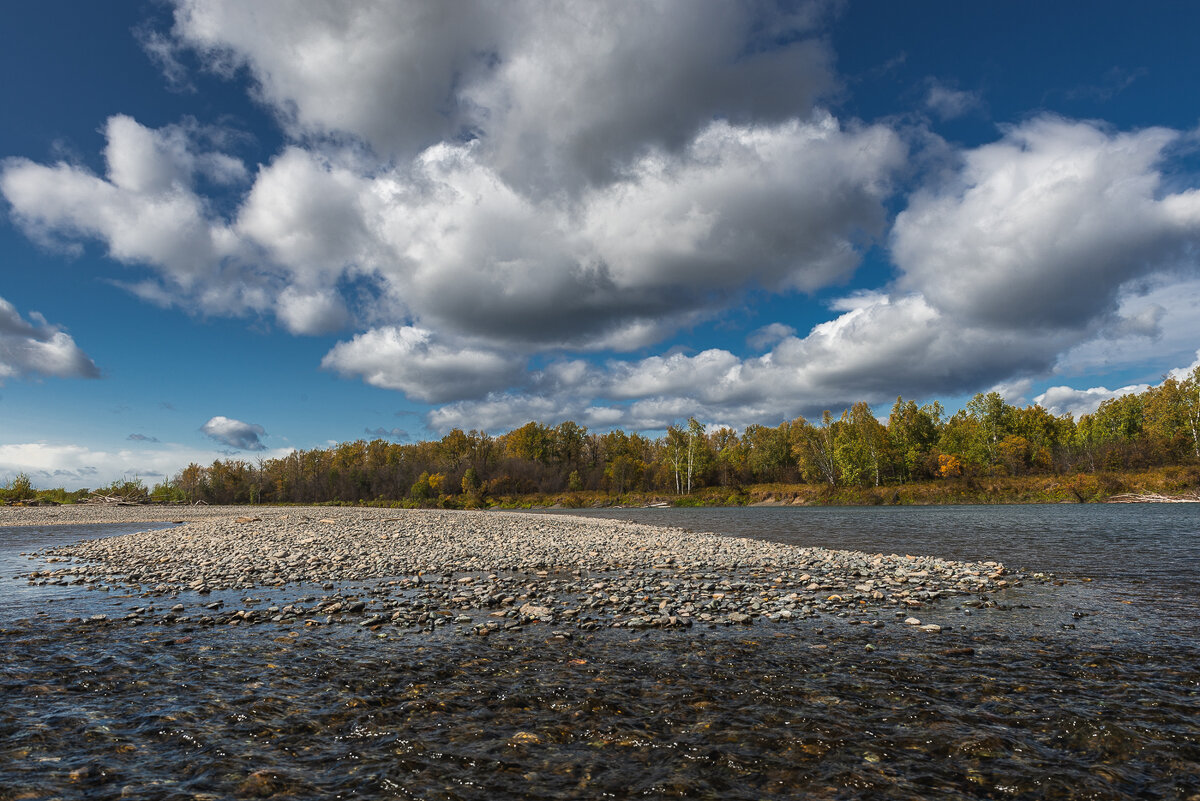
column 19, row 598
column 1071, row 693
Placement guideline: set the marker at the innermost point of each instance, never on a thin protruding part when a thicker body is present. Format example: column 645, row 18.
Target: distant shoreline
column 1119, row 488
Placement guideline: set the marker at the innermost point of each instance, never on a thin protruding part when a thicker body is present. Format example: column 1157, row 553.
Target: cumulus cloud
column 235, row 433
column 769, row 334
column 878, row 347
column 646, row 205
column 145, row 210
column 1045, row 226
column 36, row 347
column 1182, row 373
column 472, row 189
column 782, row 207
column 1067, row 400
column 318, row 311
column 1155, row 323
column 411, row 360
column 403, row 76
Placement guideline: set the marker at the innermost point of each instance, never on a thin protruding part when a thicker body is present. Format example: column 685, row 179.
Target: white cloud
column 948, row 103
column 315, row 312
column 235, row 433
column 778, row 205
column 35, row 347
column 575, row 88
column 308, row 215
column 1064, row 400
column 1155, row 323
column 146, row 212
column 877, row 349
column 1182, row 373
column 447, row 243
column 768, row 335
column 411, row 360
column 1044, row 227
column 77, row 466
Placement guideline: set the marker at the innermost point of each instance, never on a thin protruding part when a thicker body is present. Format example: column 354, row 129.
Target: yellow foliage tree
column 948, row 465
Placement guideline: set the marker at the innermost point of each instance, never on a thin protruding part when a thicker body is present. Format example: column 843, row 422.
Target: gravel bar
column 479, row 573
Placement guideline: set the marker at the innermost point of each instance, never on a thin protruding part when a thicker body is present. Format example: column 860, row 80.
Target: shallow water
column 1134, row 568
column 1003, row 703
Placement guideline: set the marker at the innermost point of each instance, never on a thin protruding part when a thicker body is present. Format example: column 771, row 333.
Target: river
column 1084, row 688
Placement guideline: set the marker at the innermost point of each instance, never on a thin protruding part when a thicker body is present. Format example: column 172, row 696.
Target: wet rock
column 433, row 568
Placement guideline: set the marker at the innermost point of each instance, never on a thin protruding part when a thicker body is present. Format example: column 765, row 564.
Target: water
column 19, row 599
column 1134, row 568
column 1002, row 704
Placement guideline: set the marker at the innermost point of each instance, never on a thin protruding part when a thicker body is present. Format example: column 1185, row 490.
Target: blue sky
column 231, row 229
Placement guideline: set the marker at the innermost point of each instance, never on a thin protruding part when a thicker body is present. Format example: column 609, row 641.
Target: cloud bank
column 76, row 466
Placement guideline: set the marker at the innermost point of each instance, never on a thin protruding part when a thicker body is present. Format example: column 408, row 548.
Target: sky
column 231, row 230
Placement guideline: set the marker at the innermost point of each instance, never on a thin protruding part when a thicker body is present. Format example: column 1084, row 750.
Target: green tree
column 994, row 416
column 675, row 449
column 963, row 437
column 860, row 444
column 421, row 489
column 698, row 454
column 622, row 473
column 815, row 449
column 569, row 443
column 730, row 455
column 768, row 451
column 913, row 432
column 1189, row 389
column 532, row 441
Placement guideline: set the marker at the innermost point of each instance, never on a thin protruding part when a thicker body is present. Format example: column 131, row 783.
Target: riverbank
column 1101, row 487
column 482, row 572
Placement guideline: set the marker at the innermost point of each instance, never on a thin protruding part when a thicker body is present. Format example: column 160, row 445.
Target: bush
column 19, row 489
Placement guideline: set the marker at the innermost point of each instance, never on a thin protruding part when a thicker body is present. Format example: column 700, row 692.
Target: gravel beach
column 478, row 573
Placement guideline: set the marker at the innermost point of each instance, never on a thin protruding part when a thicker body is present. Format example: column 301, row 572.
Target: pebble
column 429, row 568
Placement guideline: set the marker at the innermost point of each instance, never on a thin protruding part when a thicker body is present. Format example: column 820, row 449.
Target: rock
column 539, row 612
column 433, row 568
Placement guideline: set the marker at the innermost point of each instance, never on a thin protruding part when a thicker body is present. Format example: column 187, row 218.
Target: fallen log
column 1154, row 497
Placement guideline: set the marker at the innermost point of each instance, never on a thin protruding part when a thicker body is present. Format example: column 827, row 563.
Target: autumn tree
column 730, row 455
column 768, row 451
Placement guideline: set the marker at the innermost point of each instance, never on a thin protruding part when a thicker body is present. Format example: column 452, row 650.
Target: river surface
column 1088, row 687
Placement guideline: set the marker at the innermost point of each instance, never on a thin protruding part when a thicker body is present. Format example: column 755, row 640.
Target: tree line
column 989, row 437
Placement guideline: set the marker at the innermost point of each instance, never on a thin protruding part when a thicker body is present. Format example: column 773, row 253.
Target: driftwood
column 130, row 499
column 1154, row 497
